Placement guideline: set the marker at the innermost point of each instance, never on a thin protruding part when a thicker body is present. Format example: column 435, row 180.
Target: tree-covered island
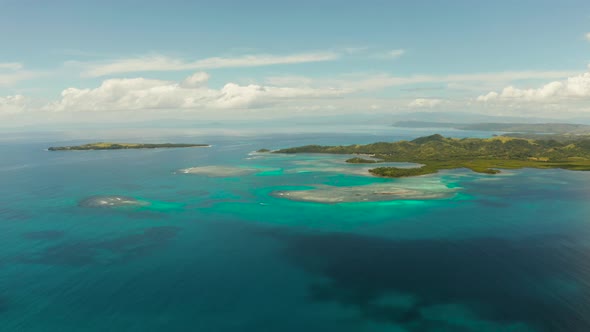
column 119, row 146
column 482, row 155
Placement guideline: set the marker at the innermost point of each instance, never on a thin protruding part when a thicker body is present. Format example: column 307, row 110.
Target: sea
column 270, row 242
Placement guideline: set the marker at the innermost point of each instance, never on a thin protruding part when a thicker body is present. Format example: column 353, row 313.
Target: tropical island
column 482, row 155
column 120, row 146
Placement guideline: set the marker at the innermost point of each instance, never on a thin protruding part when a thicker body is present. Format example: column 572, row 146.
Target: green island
column 120, row 146
column 359, row 160
column 482, row 155
column 263, row 150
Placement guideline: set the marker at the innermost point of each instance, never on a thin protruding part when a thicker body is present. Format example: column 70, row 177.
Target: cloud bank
column 573, row 88
column 191, row 93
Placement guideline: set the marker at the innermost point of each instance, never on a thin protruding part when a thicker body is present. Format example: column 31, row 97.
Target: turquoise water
column 508, row 252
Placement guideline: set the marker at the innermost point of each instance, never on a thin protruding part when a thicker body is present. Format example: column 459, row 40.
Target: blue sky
column 82, row 60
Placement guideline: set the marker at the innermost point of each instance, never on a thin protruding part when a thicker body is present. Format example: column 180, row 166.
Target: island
column 482, row 155
column 359, row 160
column 119, row 146
column 263, row 150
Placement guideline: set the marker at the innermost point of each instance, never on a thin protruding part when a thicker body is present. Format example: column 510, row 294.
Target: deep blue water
column 507, row 252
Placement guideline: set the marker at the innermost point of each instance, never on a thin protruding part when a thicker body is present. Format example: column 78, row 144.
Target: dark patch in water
column 3, row 304
column 138, row 244
column 13, row 214
column 494, row 204
column 130, row 186
column 108, row 251
column 542, row 282
column 43, row 235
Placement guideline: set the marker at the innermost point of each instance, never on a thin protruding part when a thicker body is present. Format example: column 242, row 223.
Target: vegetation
column 358, row 160
column 483, row 155
column 548, row 137
column 395, row 172
column 263, row 150
column 547, row 128
column 119, row 146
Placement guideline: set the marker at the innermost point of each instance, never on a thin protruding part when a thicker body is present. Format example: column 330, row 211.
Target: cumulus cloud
column 424, row 103
column 575, row 87
column 191, row 93
column 12, row 104
column 197, row 79
column 163, row 63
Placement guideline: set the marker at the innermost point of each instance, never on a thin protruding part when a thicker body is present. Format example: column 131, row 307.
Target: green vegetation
column 540, row 128
column 395, row 172
column 482, row 155
column 358, row 160
column 263, row 151
column 119, row 146
column 548, row 137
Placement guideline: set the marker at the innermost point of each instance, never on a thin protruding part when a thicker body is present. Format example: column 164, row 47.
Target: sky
column 132, row 61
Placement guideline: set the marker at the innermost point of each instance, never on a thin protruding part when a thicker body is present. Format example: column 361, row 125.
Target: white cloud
column 10, row 66
column 13, row 77
column 573, row 88
column 163, row 63
column 363, row 82
column 487, row 97
column 13, row 72
column 12, row 104
column 392, row 54
column 424, row 103
column 196, row 80
column 587, row 36
column 191, row 93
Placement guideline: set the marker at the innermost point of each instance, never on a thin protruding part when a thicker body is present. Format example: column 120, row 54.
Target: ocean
column 227, row 239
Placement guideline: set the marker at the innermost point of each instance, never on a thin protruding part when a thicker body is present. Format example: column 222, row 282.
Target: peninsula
column 120, row 146
column 482, row 155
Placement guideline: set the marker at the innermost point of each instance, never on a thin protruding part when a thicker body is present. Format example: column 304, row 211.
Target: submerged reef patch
column 219, row 171
column 111, row 201
column 370, row 193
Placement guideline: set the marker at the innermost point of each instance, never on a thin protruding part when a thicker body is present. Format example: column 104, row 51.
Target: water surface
column 505, row 252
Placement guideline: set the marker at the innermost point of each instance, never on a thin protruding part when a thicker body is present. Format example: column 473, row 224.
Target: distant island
column 120, row 146
column 533, row 128
column 482, row 155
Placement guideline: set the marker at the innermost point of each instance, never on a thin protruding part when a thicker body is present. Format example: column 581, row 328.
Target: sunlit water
column 226, row 251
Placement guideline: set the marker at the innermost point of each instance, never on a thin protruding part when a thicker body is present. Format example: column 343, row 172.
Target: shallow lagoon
column 504, row 252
